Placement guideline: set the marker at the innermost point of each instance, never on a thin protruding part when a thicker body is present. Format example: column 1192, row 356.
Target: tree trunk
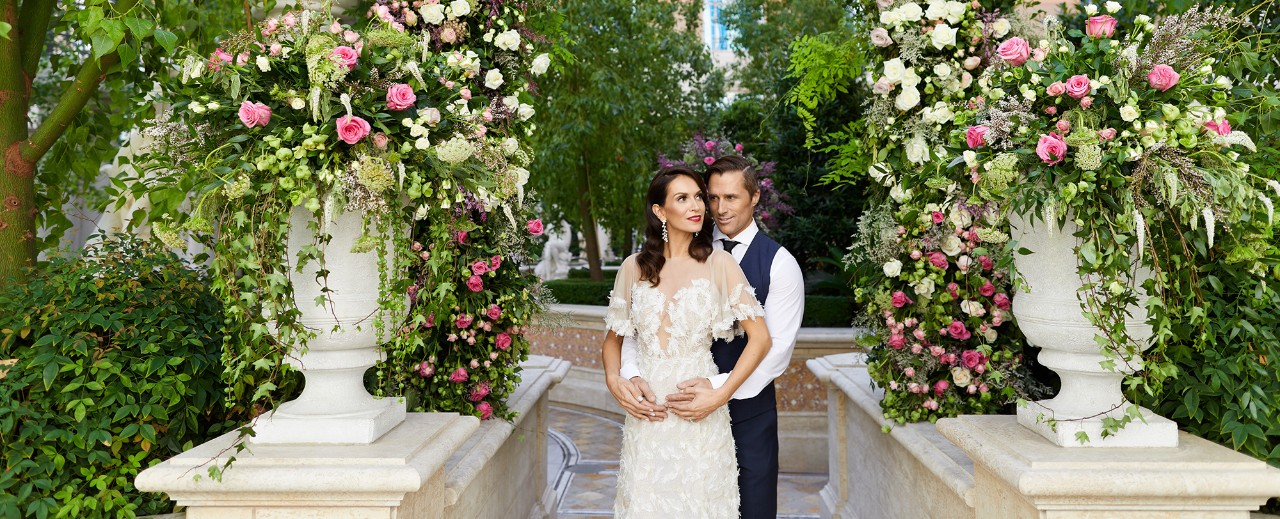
column 17, row 172
column 589, row 222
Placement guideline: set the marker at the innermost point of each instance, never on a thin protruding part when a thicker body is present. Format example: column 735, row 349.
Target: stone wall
column 574, row 333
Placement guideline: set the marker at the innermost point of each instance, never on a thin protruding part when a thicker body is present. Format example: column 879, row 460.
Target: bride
column 675, row 296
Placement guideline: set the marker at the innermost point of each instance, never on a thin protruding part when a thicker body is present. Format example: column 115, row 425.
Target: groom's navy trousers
column 755, row 420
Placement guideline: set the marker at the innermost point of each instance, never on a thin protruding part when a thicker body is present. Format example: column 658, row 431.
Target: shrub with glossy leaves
column 118, row 365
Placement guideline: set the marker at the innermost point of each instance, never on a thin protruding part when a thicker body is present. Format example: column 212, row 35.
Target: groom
column 733, row 192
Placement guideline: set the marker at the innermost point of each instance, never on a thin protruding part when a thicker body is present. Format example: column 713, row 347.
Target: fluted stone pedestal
column 1019, row 474
column 401, row 475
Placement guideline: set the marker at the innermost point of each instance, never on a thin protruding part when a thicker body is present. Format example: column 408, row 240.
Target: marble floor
column 582, row 464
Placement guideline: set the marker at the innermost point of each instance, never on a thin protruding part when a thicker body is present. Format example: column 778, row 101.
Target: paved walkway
column 582, row 464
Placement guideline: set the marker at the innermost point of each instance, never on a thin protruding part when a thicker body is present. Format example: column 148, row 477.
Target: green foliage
column 763, row 31
column 637, row 85
column 144, row 37
column 827, row 311
column 575, row 291
column 118, row 368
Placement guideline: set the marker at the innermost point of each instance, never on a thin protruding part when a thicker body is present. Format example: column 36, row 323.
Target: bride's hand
column 696, row 399
column 633, row 396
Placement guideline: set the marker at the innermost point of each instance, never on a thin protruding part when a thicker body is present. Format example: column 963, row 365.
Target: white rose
column 951, row 245
column 1113, row 7
column 459, row 8
column 961, row 376
column 917, row 150
column 540, row 64
column 893, row 268
column 910, row 12
column 510, row 145
column 911, row 79
column 880, row 37
column 263, row 63
column 1001, row 27
column 196, row 107
column 973, row 308
column 1128, row 113
column 936, row 11
column 972, row 62
column 297, row 103
column 1029, row 94
column 213, row 105
column 511, row 102
column 882, row 87
column 955, row 11
column 509, row 40
column 525, row 112
column 990, row 335
column 432, row 13
column 943, row 36
column 1141, row 19
column 941, row 113
column 1091, row 9
column 898, row 194
column 959, row 217
column 925, row 287
column 890, row 17
column 493, row 79
column 907, row 99
column 1224, row 82
column 942, row 70
column 970, row 158
column 894, row 70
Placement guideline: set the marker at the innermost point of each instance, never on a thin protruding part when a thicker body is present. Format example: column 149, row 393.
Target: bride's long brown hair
column 650, row 257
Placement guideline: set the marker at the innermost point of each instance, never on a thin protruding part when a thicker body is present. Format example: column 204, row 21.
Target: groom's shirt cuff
column 630, row 359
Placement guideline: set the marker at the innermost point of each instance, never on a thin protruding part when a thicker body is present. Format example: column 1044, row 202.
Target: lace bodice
column 693, row 303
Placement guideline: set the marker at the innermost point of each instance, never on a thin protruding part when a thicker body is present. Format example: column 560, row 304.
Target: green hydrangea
column 389, row 38
column 992, row 235
column 374, row 174
column 1089, row 157
column 1000, row 172
column 238, row 187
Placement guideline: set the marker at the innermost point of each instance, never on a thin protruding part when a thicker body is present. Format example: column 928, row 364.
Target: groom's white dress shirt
column 783, row 310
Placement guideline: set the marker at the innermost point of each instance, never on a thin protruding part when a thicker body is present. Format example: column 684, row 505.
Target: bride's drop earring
column 664, row 231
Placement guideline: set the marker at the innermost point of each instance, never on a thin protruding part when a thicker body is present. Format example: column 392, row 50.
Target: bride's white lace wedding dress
column 676, row 468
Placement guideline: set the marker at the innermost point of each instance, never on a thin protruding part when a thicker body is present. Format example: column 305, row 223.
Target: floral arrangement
column 933, row 264
column 702, row 151
column 414, row 119
column 1126, row 134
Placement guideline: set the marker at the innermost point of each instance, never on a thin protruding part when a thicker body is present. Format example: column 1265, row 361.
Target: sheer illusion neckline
column 668, row 304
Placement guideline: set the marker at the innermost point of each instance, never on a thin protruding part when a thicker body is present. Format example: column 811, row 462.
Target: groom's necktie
column 729, row 245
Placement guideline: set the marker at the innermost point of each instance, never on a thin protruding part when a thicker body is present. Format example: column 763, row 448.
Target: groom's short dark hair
column 731, row 163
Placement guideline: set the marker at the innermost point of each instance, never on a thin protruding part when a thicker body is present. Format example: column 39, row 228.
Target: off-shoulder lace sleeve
column 618, row 317
column 737, row 298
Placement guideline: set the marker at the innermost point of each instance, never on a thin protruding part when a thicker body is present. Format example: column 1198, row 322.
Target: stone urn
column 1052, row 318
column 334, row 406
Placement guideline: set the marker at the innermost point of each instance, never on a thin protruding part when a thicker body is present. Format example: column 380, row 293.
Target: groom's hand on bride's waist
column 635, row 397
column 695, row 401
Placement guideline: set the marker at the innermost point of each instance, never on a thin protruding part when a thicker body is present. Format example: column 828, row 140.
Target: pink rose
column 940, row 387
column 1056, row 89
column 351, row 129
column 900, row 299
column 458, row 376
column 1078, row 86
column 939, row 260
column 1014, row 50
column 1107, row 134
column 351, row 36
column 503, row 341
column 479, row 392
column 460, row 237
column 938, row 217
column 535, row 227
column 953, row 288
column 475, row 284
column 486, row 410
column 958, row 332
column 1162, row 77
column 289, row 20
column 1221, row 128
column 976, row 136
column 708, row 160
column 426, row 369
column 882, row 87
column 400, row 96
column 986, row 262
column 972, row 358
column 1063, row 126
column 915, row 254
column 380, row 140
column 495, row 262
column 465, row 93
column 1038, row 54
column 987, row 289
column 1051, row 110
column 276, row 49
column 494, row 312
column 431, row 321
column 1002, row 301
column 463, row 321
column 1051, row 148
column 909, row 371
column 480, row 267
column 345, row 56
column 737, row 148
column 918, row 334
column 336, row 27
column 936, row 351
column 897, row 342
column 1101, row 26
column 254, row 114
column 709, row 145
column 1086, row 102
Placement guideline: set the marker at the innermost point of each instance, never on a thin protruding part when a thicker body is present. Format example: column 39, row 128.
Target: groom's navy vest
column 755, row 264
